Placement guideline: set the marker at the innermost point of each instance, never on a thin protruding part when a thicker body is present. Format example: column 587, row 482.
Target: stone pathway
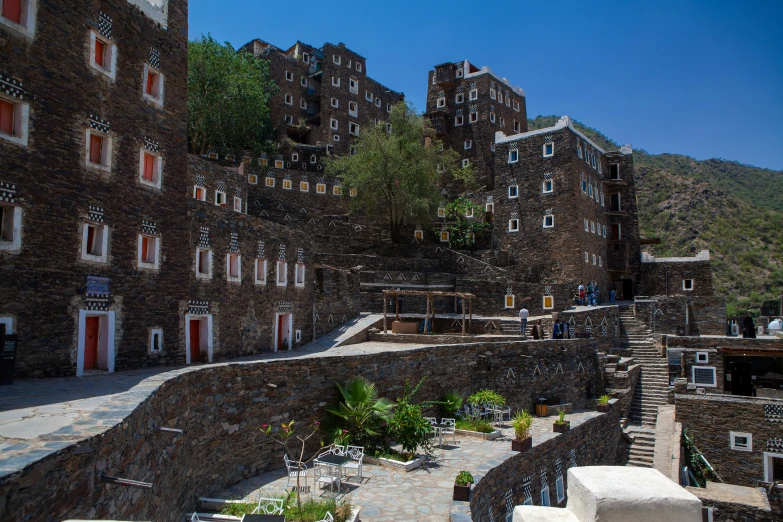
column 425, row 494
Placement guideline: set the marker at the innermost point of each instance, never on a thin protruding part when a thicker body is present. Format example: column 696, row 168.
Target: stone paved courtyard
column 425, row 494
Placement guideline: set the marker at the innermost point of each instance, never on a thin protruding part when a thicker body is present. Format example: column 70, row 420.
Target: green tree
column 464, row 230
column 407, row 425
column 361, row 411
column 397, row 173
column 228, row 98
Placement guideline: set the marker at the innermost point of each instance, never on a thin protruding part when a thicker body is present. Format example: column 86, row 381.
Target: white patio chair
column 357, row 455
column 432, row 420
column 327, row 518
column 294, row 469
column 452, row 428
column 327, row 474
column 269, row 506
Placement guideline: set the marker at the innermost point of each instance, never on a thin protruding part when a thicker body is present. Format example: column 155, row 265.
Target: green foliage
column 603, row 399
column 228, row 99
column 310, row 510
column 561, row 416
column 396, row 173
column 521, row 422
column 361, row 411
column 450, row 403
column 486, row 398
column 475, row 424
column 464, row 231
column 463, row 478
column 408, row 426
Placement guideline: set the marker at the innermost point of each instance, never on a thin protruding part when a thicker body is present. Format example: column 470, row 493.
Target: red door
column 195, row 340
column 280, row 332
column 92, row 327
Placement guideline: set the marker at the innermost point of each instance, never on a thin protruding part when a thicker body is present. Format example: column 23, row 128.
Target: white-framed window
column 513, row 225
column 492, row 146
column 458, row 120
column 702, row 357
column 459, row 73
column 389, row 128
column 549, row 149
column 359, row 66
column 444, row 236
column 103, row 55
column 288, row 184
column 508, row 301
column 295, row 156
column 604, row 230
column 741, row 441
column 492, row 117
column 388, row 107
column 299, row 275
column 333, row 124
column 313, row 159
column 418, row 234
column 337, row 59
column 465, row 163
column 260, row 271
column 549, row 221
column 234, row 268
column 492, row 93
column 99, row 150
column 500, row 97
column 473, row 94
column 95, row 242
column 703, row 376
column 468, row 144
column 772, row 462
column 600, row 263
column 368, row 96
column 199, row 193
column 594, row 259
column 303, row 81
column 320, row 188
column 203, row 263
column 150, row 168
column 220, row 198
column 441, row 212
column 10, row 227
column 579, row 151
column 587, row 257
column 153, row 85
column 148, row 252
column 517, row 126
column 516, row 105
column 687, row 285
column 469, row 212
column 336, row 137
column 602, row 198
column 279, row 164
column 592, row 227
column 513, row 191
column 14, row 117
column 262, row 162
column 502, row 122
column 353, row 86
column 459, row 98
column 305, row 57
column 287, row 118
column 353, row 128
column 353, row 108
column 269, row 181
column 590, row 190
column 614, row 171
column 548, row 302
column 508, row 100
column 237, row 204
column 545, row 496
column 335, row 81
column 587, row 224
column 377, row 102
column 304, row 186
column 335, row 102
column 156, row 340
column 548, row 186
column 19, row 15
column 352, row 150
column 559, row 489
column 289, row 100
column 352, row 192
column 513, row 156
column 282, row 273
column 441, row 102
column 337, row 190
column 599, row 165
column 489, row 207
column 289, row 76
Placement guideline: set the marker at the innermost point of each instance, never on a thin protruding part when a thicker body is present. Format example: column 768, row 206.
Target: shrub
column 474, row 424
column 464, row 478
column 450, row 404
column 486, row 398
column 361, row 411
column 603, row 399
column 521, row 422
column 407, row 425
column 561, row 417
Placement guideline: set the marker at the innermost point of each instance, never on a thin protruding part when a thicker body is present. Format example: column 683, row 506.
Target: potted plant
column 561, row 425
column 603, row 404
column 462, row 486
column 521, row 422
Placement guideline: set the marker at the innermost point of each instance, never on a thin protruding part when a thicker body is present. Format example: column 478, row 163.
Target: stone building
column 93, row 163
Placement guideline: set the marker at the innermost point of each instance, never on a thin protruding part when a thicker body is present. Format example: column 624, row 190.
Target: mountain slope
column 735, row 210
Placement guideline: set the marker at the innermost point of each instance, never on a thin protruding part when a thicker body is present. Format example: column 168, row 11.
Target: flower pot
column 561, row 428
column 462, row 492
column 603, row 408
column 522, row 445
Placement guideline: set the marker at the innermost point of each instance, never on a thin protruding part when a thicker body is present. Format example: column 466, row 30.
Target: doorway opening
column 95, row 342
column 198, row 338
column 283, row 332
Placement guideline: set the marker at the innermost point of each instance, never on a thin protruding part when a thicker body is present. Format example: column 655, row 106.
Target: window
column 441, row 212
column 579, row 151
column 587, row 224
column 303, row 81
column 702, row 357
column 333, row 124
column 594, row 259
column 458, row 120
column 513, row 156
column 269, row 182
column 741, row 441
column 549, row 149
column 289, row 76
column 492, row 147
column 703, row 376
column 299, row 275
column 14, row 116
column 590, row 190
column 473, row 117
column 773, row 466
column 260, row 272
column 513, row 225
column 468, row 144
column 289, row 100
column 418, row 234
column 592, row 227
column 352, row 150
column 548, row 302
column 282, row 273
column 459, row 73
column 465, row 163
column 444, row 236
column 337, row 191
column 459, row 98
column 262, row 162
column 441, row 102
column 153, row 85
column 320, row 188
column 602, row 199
column 469, row 212
column 509, row 301
column 238, row 203
column 599, row 165
column 234, row 268
column 352, row 192
column 489, row 207
column 252, row 179
column 377, row 102
column 502, row 122
column 492, row 93
column 103, row 55
column 95, row 239
column 547, row 187
column 587, row 257
column 19, row 15
column 473, row 94
column 388, row 107
column 336, row 137
column 500, row 97
column 687, row 284
column 600, row 263
column 10, row 227
column 615, row 203
column 99, row 148
column 388, row 128
column 517, row 126
column 335, row 81
column 148, row 252
column 559, row 490
column 604, row 231
column 305, row 58
column 359, row 66
column 353, row 108
column 156, row 340
column 516, row 105
column 337, row 59
column 508, row 100
column 353, row 86
column 304, row 186
column 335, row 102
column 492, row 117
column 513, row 191
column 549, row 221
column 353, row 129
column 614, row 171
column 150, row 168
column 220, row 198
column 368, row 96
column 200, row 193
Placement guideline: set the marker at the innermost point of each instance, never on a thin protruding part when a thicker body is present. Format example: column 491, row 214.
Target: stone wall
column 706, row 314
column 622, row 384
column 710, row 418
column 599, row 323
column 336, row 298
column 221, row 408
column 667, row 276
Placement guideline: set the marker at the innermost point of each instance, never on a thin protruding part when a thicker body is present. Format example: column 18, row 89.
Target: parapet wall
column 706, row 314
column 221, row 407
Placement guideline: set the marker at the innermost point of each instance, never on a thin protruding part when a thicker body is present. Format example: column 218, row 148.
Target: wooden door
column 280, row 332
column 92, row 329
column 195, row 340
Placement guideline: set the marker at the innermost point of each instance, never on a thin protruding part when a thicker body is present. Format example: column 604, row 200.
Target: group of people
column 559, row 328
column 590, row 295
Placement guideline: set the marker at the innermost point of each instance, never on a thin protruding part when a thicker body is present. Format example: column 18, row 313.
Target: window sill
column 233, row 280
column 205, row 277
column 282, row 284
column 261, row 283
column 148, row 266
column 94, row 259
column 97, row 166
column 299, row 285
column 13, row 247
column 158, row 102
column 105, row 72
column 16, row 140
column 18, row 29
column 151, row 184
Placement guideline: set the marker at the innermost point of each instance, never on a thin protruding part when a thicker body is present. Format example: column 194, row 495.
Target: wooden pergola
column 429, row 316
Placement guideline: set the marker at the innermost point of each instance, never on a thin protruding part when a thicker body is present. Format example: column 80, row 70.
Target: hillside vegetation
column 734, row 210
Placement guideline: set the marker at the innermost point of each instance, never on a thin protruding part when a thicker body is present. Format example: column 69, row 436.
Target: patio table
column 439, row 430
column 335, row 461
column 263, row 518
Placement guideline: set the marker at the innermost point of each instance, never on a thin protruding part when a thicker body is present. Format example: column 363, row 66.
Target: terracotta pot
column 462, row 493
column 561, row 428
column 603, row 408
column 522, row 445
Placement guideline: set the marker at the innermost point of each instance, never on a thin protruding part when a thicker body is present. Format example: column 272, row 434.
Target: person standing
column 555, row 331
column 612, row 295
column 581, row 294
column 523, row 315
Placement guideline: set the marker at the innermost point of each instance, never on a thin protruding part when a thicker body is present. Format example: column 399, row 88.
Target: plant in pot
column 521, row 422
column 603, row 404
column 462, row 486
column 561, row 425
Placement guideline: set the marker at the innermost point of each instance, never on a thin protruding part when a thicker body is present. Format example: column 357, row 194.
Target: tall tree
column 228, row 98
column 397, row 173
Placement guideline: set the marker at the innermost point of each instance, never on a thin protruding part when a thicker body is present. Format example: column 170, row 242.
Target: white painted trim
column 111, row 71
column 140, row 263
column 21, row 121
column 157, row 166
column 155, row 100
column 106, row 152
column 154, row 331
column 188, row 318
column 229, row 277
column 705, row 355
column 110, row 333
column 297, row 267
column 27, row 27
column 285, row 272
column 290, row 329
column 104, row 257
column 257, row 280
column 734, row 434
column 14, row 246
column 198, row 274
column 768, row 456
column 714, row 376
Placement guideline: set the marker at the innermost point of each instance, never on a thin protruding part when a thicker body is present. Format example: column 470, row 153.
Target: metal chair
column 294, row 469
column 325, row 473
column 432, row 420
column 269, row 506
column 452, row 428
column 357, row 455
column 327, row 518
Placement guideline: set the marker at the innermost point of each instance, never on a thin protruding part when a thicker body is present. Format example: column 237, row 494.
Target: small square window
column 336, row 137
column 377, row 102
column 252, row 179
column 335, row 102
column 14, row 116
column 234, row 268
column 465, row 163
column 513, row 225
column 468, row 144
column 741, row 441
column 304, row 186
column 153, row 85
column 303, row 81
column 687, row 284
column 359, row 66
column 262, row 162
column 587, row 257
column 368, row 96
column 299, row 275
column 103, row 55
column 703, row 376
column 353, row 129
column 337, row 191
column 418, row 234
column 459, row 98
column 337, row 59
column 99, row 150
column 289, row 76
column 489, row 207
column 517, row 126
column 287, row 184
column 156, row 340
column 441, row 212
column 295, row 157
column 150, row 165
column 352, row 192
column 513, row 191
column 220, row 198
column 702, row 357
column 353, row 86
column 333, row 124
column 547, row 186
column 458, row 121
column 269, row 181
column 320, row 188
column 444, row 236
column 353, row 108
column 549, row 149
column 289, row 100
column 282, row 273
column 548, row 302
column 305, row 58
column 10, row 227
column 469, row 212
column 148, row 252
column 237, row 204
column 549, row 221
column 492, row 93
column 260, row 272
column 513, row 156
column 95, row 240
column 441, row 102
column 200, row 193
column 335, row 81
column 473, row 117
column 473, row 95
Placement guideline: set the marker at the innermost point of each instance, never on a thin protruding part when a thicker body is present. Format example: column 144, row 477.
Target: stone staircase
column 642, row 449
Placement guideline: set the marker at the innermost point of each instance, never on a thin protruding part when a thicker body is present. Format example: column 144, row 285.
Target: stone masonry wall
column 221, row 408
column 666, row 276
column 336, row 298
column 706, row 314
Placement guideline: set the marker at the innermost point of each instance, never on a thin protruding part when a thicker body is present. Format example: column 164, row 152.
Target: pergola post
column 396, row 308
column 463, row 316
column 427, row 315
column 384, row 313
column 470, row 321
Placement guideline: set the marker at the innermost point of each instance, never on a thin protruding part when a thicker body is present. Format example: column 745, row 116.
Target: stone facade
column 75, row 168
column 706, row 315
column 676, row 276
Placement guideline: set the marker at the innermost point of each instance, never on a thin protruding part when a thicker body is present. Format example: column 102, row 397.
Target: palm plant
column 361, row 411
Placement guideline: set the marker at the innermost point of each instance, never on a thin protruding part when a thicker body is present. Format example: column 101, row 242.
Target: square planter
column 603, row 408
column 522, row 445
column 462, row 493
column 561, row 428
column 389, row 463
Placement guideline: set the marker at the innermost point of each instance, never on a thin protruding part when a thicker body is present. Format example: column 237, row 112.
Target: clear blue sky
column 702, row 78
